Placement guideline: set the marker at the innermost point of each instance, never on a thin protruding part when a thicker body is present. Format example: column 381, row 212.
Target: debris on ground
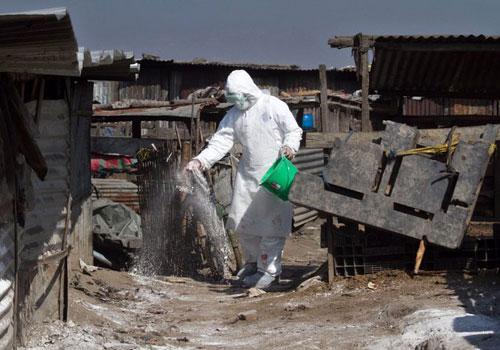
column 87, row 269
column 120, row 310
column 250, row 315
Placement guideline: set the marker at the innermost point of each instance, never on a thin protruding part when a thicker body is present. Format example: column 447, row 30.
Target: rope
column 433, row 150
column 436, row 149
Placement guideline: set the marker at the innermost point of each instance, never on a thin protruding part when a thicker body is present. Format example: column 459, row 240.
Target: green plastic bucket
column 279, row 178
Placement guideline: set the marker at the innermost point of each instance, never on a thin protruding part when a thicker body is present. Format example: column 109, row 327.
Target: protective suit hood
column 239, row 81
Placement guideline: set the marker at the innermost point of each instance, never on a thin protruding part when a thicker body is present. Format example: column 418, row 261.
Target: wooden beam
column 17, row 114
column 342, row 42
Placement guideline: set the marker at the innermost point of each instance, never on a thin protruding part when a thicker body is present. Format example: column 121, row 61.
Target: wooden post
column 419, row 257
column 64, row 279
column 186, row 153
column 366, row 124
column 326, row 122
column 136, row 129
column 198, row 137
column 331, row 262
column 192, row 126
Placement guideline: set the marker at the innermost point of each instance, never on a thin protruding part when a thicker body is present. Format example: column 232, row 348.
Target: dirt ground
column 390, row 310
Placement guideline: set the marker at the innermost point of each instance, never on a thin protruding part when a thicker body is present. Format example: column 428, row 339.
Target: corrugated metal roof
column 151, row 59
column 423, row 65
column 202, row 63
column 40, row 42
column 435, row 70
column 441, row 38
column 43, row 42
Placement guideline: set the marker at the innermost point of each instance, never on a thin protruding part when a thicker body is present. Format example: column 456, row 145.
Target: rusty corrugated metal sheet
column 40, row 42
column 460, row 66
column 449, row 107
column 117, row 190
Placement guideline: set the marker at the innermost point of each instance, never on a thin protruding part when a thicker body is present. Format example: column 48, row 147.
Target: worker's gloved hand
column 287, row 152
column 194, row 165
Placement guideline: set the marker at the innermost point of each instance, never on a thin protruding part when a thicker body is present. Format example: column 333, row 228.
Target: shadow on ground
column 479, row 294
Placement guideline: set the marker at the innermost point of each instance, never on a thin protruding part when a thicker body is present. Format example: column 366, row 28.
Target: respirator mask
column 240, row 100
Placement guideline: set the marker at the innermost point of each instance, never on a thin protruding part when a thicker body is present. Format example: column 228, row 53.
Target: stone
column 250, row 315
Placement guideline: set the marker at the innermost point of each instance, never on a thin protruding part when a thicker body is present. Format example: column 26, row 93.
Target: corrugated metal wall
column 7, row 253
column 308, row 161
column 449, row 107
column 172, row 82
column 7, row 283
column 39, row 284
column 106, row 91
column 44, row 224
column 117, row 190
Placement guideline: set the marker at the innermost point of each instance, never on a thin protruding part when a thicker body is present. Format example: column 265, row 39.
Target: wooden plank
column 22, row 124
column 396, row 137
column 470, row 161
column 377, row 210
column 421, row 183
column 359, row 165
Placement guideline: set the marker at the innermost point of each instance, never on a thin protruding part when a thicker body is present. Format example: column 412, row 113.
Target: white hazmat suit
column 261, row 220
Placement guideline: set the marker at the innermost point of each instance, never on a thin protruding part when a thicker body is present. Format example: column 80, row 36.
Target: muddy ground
column 390, row 310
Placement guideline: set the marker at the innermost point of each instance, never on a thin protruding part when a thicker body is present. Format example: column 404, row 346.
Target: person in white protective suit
column 266, row 129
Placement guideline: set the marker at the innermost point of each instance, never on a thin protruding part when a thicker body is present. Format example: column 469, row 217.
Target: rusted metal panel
column 449, row 107
column 117, row 190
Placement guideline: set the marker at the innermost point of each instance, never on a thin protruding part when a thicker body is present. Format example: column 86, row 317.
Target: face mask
column 241, row 101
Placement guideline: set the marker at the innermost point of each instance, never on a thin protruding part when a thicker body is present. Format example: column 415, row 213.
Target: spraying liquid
column 201, row 200
column 181, row 229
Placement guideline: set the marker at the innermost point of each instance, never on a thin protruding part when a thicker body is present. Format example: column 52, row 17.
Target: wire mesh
column 169, row 247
